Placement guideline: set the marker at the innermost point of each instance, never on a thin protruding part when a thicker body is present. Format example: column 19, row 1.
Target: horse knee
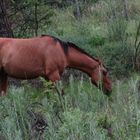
column 54, row 76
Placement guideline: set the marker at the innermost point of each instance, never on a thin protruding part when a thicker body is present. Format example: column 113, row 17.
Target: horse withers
column 47, row 56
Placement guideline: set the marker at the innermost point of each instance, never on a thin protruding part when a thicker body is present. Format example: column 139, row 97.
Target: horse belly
column 26, row 67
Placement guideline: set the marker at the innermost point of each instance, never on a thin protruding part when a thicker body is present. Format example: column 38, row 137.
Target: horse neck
column 81, row 61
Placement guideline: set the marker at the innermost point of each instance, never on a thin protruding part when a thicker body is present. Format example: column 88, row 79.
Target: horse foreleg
column 3, row 84
column 53, row 76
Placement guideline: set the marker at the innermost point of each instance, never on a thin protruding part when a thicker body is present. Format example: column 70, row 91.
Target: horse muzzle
column 107, row 92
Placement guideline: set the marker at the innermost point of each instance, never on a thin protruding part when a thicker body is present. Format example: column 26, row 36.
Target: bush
column 117, row 57
column 97, row 41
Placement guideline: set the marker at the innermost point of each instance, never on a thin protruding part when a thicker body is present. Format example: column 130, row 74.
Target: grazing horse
column 47, row 56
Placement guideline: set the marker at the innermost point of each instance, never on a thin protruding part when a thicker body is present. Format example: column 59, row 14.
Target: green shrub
column 117, row 57
column 97, row 41
column 117, row 29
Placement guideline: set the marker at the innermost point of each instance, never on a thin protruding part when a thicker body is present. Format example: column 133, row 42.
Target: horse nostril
column 107, row 92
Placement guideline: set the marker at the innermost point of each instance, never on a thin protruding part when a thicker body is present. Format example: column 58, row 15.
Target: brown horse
column 47, row 56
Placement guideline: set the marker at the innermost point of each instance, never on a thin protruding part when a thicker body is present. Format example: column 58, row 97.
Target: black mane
column 70, row 44
column 63, row 44
column 66, row 45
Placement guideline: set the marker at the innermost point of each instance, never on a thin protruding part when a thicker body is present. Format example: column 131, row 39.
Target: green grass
column 83, row 113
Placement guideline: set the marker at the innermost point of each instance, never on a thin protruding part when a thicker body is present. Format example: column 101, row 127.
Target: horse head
column 100, row 78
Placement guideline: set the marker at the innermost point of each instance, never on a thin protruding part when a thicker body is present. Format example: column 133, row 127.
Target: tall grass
column 82, row 113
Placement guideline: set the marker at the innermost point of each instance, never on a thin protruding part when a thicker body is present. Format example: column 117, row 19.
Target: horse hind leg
column 3, row 84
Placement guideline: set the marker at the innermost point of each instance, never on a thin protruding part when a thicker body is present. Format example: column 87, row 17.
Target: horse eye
column 105, row 72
